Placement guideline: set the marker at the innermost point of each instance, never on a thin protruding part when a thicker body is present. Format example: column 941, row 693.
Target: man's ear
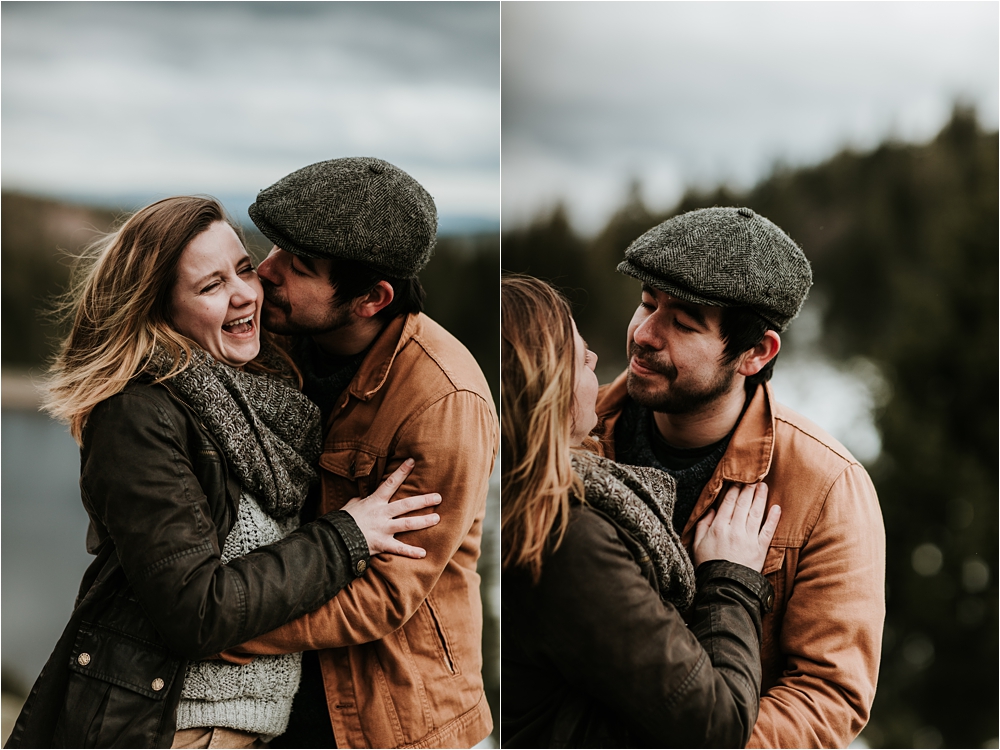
column 373, row 302
column 754, row 359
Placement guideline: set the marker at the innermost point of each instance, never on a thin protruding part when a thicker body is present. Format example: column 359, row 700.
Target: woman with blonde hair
column 596, row 652
column 197, row 453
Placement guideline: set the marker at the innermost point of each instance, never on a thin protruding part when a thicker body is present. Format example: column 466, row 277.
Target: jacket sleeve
column 831, row 630
column 454, row 443
column 606, row 630
column 138, row 480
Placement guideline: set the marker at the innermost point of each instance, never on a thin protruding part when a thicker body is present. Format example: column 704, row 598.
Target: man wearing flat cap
column 396, row 658
column 719, row 285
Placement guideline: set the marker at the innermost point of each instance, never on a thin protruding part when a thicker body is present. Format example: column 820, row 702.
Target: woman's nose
column 244, row 292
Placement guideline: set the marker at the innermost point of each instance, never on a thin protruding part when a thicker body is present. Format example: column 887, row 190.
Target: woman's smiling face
column 217, row 297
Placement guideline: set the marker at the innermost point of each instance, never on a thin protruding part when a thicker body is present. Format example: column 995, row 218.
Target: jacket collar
column 748, row 457
column 374, row 370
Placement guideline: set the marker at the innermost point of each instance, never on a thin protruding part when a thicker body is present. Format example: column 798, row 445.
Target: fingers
column 406, row 550
column 702, row 528
column 757, row 506
column 725, row 514
column 414, row 523
column 744, row 501
column 770, row 526
column 408, row 504
column 394, row 480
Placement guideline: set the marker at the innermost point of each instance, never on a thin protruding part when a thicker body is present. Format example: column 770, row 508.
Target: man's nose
column 647, row 334
column 267, row 269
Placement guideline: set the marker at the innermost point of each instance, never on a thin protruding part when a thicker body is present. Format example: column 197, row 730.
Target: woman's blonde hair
column 118, row 306
column 538, row 365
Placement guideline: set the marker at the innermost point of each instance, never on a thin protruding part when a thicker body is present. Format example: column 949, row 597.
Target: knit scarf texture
column 268, row 430
column 641, row 500
column 634, row 446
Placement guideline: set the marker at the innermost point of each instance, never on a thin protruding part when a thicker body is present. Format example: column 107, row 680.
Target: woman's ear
column 753, row 360
column 375, row 301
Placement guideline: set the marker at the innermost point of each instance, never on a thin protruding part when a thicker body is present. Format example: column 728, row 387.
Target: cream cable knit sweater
column 256, row 698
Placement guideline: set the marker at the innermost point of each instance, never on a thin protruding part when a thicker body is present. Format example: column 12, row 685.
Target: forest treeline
column 903, row 242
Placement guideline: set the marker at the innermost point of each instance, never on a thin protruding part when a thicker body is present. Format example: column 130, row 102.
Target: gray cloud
column 698, row 93
column 227, row 97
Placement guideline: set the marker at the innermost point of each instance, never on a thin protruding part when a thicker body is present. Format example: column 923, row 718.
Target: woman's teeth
column 243, row 325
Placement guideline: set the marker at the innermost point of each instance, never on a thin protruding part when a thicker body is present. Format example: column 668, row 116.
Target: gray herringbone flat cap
column 725, row 257
column 359, row 209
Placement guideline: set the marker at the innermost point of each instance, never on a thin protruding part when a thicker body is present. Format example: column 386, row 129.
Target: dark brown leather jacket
column 161, row 502
column 592, row 657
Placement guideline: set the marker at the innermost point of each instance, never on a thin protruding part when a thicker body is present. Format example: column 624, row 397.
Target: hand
column 735, row 533
column 379, row 519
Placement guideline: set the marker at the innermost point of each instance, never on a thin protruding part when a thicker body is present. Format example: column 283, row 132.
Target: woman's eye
column 211, row 287
column 247, row 269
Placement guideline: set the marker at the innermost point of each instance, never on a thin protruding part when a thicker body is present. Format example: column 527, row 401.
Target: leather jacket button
column 157, row 684
column 83, row 659
column 362, row 566
column 770, row 601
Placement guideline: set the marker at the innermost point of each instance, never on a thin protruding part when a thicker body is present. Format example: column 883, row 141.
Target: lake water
column 43, row 541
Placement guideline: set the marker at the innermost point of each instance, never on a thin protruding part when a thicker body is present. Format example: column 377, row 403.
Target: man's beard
column 338, row 316
column 675, row 399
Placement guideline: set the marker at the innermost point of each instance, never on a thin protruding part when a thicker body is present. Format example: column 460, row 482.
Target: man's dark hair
column 743, row 329
column 352, row 280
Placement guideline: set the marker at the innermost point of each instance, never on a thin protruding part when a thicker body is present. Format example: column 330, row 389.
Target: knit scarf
column 268, row 430
column 641, row 500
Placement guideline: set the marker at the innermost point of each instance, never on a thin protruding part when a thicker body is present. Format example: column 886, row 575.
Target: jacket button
column 362, row 566
column 83, row 659
column 157, row 684
column 770, row 601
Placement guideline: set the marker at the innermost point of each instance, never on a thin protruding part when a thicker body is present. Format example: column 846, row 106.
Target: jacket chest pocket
column 352, row 473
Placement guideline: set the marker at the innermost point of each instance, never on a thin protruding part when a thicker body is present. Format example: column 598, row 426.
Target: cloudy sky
column 688, row 93
column 134, row 101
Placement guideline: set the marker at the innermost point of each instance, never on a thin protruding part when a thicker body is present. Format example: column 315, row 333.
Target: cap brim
column 669, row 286
column 682, row 292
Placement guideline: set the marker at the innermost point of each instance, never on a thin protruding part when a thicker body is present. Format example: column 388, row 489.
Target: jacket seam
column 849, row 460
column 822, row 506
column 682, row 689
column 458, row 723
column 150, row 569
column 424, row 408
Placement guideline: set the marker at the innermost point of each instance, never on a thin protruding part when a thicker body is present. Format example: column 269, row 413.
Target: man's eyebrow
column 685, row 307
column 692, row 310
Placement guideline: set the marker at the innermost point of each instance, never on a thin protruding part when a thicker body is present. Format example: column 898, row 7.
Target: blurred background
column 110, row 106
column 868, row 132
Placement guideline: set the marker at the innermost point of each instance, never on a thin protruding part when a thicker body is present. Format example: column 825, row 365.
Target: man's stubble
column 337, row 316
column 675, row 398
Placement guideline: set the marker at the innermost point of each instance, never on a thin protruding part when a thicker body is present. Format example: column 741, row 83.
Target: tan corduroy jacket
column 822, row 639
column 401, row 647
